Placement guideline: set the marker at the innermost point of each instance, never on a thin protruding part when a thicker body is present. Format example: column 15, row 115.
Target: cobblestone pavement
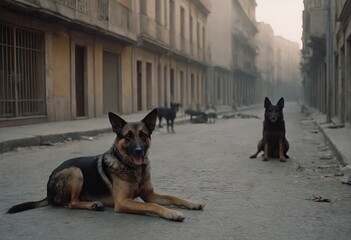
column 246, row 198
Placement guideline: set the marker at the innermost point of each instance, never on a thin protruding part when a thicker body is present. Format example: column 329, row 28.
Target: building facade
column 232, row 77
column 314, row 53
column 171, row 55
column 278, row 63
column 70, row 59
column 342, row 61
column 55, row 64
column 326, row 77
column 265, row 59
column 287, row 76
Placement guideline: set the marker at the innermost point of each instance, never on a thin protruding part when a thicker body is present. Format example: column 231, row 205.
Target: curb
column 50, row 139
column 11, row 145
column 310, row 111
column 341, row 157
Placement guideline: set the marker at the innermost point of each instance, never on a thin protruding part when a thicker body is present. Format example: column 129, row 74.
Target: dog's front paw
column 195, row 205
column 174, row 216
column 97, row 206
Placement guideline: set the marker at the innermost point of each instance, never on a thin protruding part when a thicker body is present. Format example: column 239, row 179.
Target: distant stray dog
column 201, row 118
column 211, row 112
column 273, row 143
column 169, row 114
column 114, row 178
column 197, row 114
column 212, row 116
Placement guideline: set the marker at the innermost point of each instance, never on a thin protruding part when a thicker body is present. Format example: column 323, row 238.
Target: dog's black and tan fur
column 114, row 178
column 273, row 144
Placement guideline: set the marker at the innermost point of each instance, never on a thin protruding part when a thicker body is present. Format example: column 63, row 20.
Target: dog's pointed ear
column 150, row 120
column 117, row 122
column 267, row 102
column 281, row 102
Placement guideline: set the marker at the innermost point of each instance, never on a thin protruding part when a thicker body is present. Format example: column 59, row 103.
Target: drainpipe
column 330, row 62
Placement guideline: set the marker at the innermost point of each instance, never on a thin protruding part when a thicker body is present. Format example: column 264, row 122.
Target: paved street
column 245, row 198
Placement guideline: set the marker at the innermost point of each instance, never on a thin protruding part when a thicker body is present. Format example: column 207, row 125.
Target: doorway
column 139, row 86
column 80, row 57
column 111, row 82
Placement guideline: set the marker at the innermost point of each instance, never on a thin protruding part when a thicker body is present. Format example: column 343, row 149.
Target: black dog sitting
column 273, row 143
column 169, row 114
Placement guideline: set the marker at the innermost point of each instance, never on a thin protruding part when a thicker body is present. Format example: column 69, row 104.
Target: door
column 139, row 86
column 171, row 83
column 172, row 22
column 80, row 80
column 110, row 82
column 159, row 85
column 149, row 84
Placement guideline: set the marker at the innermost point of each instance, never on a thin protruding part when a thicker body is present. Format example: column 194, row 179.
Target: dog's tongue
column 138, row 160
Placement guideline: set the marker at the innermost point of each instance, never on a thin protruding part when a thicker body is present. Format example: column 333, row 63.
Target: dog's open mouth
column 138, row 160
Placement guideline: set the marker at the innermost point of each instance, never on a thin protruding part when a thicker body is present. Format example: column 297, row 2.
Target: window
column 198, row 41
column 182, row 28
column 158, row 11
column 21, row 62
column 203, row 37
column 143, row 7
column 182, row 22
column 192, row 87
column 191, row 29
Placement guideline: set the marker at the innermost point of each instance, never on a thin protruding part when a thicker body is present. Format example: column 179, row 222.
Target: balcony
column 317, row 22
column 204, row 5
column 244, row 65
column 151, row 29
column 108, row 17
column 158, row 38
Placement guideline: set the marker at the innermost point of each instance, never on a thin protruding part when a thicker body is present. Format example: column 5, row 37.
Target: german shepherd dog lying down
column 273, row 144
column 114, row 178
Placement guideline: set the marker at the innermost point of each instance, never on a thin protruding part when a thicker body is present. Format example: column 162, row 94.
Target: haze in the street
column 284, row 16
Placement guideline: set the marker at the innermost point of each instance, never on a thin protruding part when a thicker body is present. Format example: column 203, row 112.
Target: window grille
column 22, row 83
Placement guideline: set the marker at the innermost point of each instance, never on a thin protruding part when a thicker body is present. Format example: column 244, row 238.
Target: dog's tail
column 28, row 205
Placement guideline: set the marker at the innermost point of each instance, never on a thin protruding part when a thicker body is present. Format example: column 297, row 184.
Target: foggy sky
column 284, row 16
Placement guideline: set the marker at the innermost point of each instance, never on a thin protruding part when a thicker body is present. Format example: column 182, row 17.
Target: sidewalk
column 53, row 132
column 338, row 137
